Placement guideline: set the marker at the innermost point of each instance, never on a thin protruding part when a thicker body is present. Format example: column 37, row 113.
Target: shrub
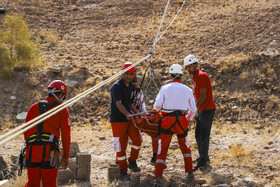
column 17, row 49
column 5, row 59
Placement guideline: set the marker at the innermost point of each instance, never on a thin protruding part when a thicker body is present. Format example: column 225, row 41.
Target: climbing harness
column 41, row 138
column 177, row 114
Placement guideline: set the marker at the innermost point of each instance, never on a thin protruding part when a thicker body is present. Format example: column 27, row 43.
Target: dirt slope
column 236, row 42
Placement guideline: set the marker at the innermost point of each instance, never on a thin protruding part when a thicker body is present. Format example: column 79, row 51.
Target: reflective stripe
column 187, row 155
column 51, row 138
column 121, row 158
column 32, row 135
column 160, row 161
column 135, row 147
column 47, row 135
column 159, row 147
column 186, row 138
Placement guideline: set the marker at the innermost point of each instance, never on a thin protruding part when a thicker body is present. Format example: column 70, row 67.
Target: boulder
column 3, row 164
column 71, row 83
column 200, row 181
column 83, row 166
column 72, row 165
column 74, row 149
column 135, row 180
column 113, row 172
column 6, row 90
column 65, row 176
column 55, row 69
column 12, row 98
column 20, row 118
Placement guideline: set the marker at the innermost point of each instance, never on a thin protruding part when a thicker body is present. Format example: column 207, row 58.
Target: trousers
column 121, row 132
column 202, row 132
column 36, row 175
column 164, row 142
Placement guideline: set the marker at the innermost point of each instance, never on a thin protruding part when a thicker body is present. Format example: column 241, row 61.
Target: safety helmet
column 127, row 64
column 176, row 69
column 190, row 59
column 58, row 86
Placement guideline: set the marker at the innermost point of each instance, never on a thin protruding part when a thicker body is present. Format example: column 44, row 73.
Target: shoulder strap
column 43, row 107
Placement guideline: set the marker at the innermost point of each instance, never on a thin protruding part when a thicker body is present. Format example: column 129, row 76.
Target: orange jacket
column 57, row 123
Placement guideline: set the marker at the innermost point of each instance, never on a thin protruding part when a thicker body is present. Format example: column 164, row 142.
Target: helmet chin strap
column 53, row 91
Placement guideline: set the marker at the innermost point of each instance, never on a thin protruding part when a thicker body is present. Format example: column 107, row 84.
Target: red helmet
column 60, row 85
column 127, row 64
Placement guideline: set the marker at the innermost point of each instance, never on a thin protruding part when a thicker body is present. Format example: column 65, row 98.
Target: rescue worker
column 141, row 107
column 174, row 99
column 42, row 151
column 122, row 97
column 206, row 109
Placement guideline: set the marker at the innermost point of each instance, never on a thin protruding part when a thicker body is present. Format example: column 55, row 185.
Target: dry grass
column 32, row 81
column 267, row 67
column 90, row 80
column 238, row 150
column 274, row 98
column 233, row 60
column 244, row 75
column 106, row 94
column 74, row 71
column 50, row 37
column 105, row 124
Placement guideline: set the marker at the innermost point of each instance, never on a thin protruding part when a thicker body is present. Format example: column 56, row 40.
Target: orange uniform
column 39, row 168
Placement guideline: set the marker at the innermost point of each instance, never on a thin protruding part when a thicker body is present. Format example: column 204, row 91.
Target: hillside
column 237, row 44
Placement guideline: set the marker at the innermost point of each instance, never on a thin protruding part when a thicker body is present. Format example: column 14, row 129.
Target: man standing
column 122, row 98
column 42, row 151
column 206, row 105
column 174, row 100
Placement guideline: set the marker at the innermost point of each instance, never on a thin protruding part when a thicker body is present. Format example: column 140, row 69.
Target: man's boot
column 197, row 160
column 190, row 177
column 158, row 182
column 200, row 164
column 132, row 165
column 124, row 176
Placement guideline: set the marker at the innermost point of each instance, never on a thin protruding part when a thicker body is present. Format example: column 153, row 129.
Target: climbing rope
column 26, row 126
column 152, row 75
column 171, row 22
column 161, row 23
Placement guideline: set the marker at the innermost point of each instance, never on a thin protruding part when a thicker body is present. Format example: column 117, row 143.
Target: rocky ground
column 237, row 43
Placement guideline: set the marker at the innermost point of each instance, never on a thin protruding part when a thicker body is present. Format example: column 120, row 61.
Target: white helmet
column 190, row 59
column 176, row 69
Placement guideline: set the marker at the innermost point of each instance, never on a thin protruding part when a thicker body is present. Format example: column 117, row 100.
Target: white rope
column 170, row 23
column 161, row 23
column 66, row 104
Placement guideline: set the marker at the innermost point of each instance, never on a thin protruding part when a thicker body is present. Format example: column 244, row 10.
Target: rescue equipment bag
column 175, row 114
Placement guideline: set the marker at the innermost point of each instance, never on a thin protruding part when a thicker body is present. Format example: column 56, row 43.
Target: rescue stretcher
column 147, row 122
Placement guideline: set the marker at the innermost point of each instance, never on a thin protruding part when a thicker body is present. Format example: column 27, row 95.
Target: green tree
column 16, row 46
